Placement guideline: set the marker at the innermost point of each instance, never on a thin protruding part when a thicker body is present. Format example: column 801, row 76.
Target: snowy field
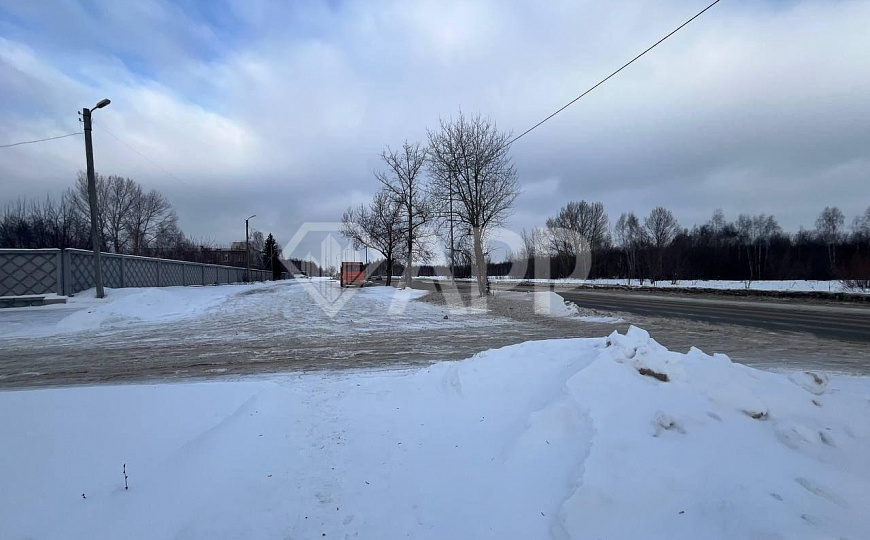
column 788, row 285
column 582, row 438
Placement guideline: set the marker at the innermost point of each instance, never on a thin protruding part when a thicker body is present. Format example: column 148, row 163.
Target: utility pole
column 248, row 249
column 92, row 197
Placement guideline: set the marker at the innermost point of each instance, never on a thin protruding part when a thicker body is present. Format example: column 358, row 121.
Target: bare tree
column 405, row 184
column 756, row 233
column 170, row 242
column 580, row 220
column 662, row 228
column 861, row 229
column 534, row 243
column 148, row 213
column 379, row 226
column 829, row 229
column 631, row 236
column 469, row 163
column 115, row 197
column 579, row 230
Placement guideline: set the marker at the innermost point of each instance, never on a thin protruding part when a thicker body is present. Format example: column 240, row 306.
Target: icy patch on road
column 612, row 437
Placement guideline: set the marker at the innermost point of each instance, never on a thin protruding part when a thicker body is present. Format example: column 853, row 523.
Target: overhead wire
column 40, row 140
column 143, row 156
column 605, row 79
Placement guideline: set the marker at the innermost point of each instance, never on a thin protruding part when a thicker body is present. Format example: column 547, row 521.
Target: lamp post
column 248, row 248
column 92, row 196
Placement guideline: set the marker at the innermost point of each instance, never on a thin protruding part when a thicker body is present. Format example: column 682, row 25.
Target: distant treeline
column 133, row 221
column 656, row 247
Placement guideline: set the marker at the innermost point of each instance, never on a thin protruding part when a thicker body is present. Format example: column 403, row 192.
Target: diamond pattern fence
column 68, row 271
column 30, row 271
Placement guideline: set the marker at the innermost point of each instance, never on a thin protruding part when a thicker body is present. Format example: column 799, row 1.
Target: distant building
column 232, row 256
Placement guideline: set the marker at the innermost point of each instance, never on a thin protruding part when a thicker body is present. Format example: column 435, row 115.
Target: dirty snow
column 142, row 307
column 120, row 307
column 550, row 304
column 547, row 439
column 792, row 285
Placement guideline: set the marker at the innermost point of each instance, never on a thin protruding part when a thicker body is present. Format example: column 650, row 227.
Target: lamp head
column 102, row 103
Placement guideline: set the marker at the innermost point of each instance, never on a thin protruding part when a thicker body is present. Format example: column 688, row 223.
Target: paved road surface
column 829, row 322
column 771, row 334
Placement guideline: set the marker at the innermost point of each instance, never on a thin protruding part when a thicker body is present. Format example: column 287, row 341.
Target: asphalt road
column 823, row 321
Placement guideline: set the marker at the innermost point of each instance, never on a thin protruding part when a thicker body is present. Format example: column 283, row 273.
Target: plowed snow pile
column 583, row 438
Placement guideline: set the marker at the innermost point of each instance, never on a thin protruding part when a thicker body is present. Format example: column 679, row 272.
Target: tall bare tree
column 580, row 220
column 380, row 226
column 469, row 163
column 534, row 243
column 631, row 236
column 404, row 182
column 115, row 197
column 861, row 230
column 756, row 233
column 829, row 228
column 578, row 231
column 148, row 213
column 661, row 228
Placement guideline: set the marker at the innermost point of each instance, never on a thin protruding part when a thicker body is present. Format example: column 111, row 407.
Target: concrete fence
column 68, row 271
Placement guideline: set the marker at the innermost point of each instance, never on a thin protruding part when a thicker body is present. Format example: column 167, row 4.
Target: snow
column 765, row 285
column 300, row 302
column 121, row 307
column 546, row 439
column 550, row 304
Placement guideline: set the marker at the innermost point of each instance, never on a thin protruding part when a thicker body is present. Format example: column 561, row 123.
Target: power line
column 602, row 81
column 151, row 161
column 40, row 140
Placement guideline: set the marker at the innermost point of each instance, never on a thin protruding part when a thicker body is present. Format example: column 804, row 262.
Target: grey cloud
column 752, row 108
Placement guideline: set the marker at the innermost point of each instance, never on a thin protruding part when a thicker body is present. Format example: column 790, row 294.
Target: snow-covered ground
column 299, row 301
column 770, row 285
column 120, row 307
column 578, row 438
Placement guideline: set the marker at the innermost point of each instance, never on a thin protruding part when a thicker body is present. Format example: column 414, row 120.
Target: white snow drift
column 583, row 438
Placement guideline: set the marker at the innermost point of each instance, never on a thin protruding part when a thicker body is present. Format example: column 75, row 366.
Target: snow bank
column 793, row 285
column 581, row 438
column 120, row 307
column 550, row 303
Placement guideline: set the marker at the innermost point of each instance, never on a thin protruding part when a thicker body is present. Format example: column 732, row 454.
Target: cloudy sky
column 281, row 108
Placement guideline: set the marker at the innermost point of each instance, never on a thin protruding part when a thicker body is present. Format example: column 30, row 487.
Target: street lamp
column 248, row 247
column 92, row 196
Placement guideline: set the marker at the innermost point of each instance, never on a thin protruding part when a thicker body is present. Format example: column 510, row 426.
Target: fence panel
column 79, row 269
column 171, row 273
column 30, row 271
column 211, row 275
column 193, row 274
column 140, row 272
column 111, row 266
column 68, row 271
